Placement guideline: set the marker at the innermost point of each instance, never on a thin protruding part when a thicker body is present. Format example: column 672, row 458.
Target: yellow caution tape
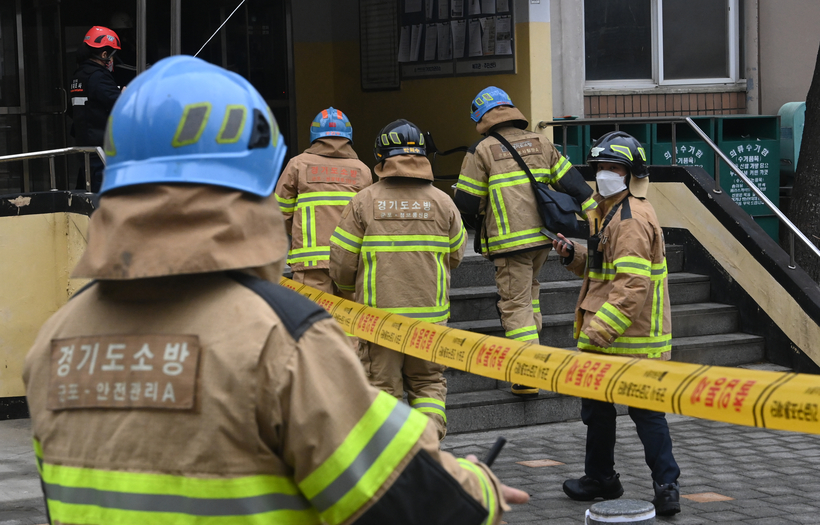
column 776, row 400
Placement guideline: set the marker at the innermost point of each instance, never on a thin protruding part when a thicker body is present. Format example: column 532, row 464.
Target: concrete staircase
column 703, row 332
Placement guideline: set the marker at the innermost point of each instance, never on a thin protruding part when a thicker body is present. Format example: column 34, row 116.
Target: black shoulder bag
column 557, row 210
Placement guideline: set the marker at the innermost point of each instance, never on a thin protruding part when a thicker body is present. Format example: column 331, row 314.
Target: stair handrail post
column 674, row 145
column 51, row 173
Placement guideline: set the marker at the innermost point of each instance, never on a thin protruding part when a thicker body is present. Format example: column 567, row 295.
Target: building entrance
column 39, row 41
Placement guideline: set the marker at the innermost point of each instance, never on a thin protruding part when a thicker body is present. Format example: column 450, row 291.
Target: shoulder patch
column 297, row 313
column 626, row 209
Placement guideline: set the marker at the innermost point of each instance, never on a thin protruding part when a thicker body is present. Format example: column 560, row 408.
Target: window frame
column 656, row 13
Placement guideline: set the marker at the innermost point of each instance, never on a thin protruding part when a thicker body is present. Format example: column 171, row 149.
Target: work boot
column 667, row 498
column 524, row 391
column 587, row 488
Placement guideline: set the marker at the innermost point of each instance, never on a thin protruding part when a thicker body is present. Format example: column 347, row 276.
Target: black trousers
column 599, row 417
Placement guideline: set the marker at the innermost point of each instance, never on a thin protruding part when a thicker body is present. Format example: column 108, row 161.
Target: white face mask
column 609, row 183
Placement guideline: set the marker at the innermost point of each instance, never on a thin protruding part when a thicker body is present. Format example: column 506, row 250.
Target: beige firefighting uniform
column 312, row 192
column 624, row 307
column 493, row 185
column 397, row 242
column 183, row 386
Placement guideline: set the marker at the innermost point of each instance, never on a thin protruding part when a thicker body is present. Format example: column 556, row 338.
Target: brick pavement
column 771, row 475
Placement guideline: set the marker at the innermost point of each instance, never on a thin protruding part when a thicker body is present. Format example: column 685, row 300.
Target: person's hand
column 562, row 247
column 511, row 495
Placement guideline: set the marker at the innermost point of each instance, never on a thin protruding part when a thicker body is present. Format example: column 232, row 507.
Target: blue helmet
column 487, row 99
column 188, row 121
column 331, row 123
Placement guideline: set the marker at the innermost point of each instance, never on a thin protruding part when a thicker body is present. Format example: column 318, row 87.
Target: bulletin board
column 442, row 38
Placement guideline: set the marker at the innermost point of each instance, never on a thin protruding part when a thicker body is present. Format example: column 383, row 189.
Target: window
column 637, row 43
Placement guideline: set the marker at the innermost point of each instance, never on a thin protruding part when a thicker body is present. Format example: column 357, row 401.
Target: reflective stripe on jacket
column 396, row 244
column 312, row 191
column 492, row 179
column 627, row 300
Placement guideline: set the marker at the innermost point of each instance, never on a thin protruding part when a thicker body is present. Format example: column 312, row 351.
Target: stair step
column 732, row 349
column 687, row 320
column 475, row 270
column 557, row 297
column 491, row 409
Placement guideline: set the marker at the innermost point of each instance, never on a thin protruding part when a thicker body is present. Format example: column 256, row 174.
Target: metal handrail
column 719, row 155
column 51, row 153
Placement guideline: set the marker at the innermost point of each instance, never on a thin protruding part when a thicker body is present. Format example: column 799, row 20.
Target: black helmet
column 400, row 137
column 620, row 148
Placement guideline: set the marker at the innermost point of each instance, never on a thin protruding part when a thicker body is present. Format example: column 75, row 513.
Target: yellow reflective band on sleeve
column 633, row 265
column 486, row 490
column 429, row 405
column 588, row 205
column 652, row 346
column 536, row 306
column 607, row 273
column 471, row 186
column 456, row 243
column 613, row 318
column 286, row 205
column 345, row 288
column 370, row 453
column 659, row 271
column 85, row 495
column 441, row 280
column 560, row 169
column 346, row 240
column 309, row 254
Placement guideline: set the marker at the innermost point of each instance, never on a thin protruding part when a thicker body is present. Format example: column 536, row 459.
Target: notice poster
column 488, row 7
column 475, row 38
column 412, row 6
column 428, row 9
column 404, row 44
column 456, row 8
column 503, row 6
column 415, row 43
column 474, row 7
column 488, row 35
column 430, row 37
column 503, row 35
column 443, row 9
column 444, row 46
column 459, row 30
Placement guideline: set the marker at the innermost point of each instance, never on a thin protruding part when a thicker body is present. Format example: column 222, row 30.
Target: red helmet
column 99, row 36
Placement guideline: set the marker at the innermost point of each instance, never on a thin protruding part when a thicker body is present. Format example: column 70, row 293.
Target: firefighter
column 312, row 192
column 93, row 93
column 401, row 226
column 494, row 187
column 623, row 309
column 182, row 384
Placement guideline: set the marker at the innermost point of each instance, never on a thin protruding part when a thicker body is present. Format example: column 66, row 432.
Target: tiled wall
column 602, row 106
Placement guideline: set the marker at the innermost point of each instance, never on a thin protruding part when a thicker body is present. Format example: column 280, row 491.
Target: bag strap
column 626, row 210
column 515, row 155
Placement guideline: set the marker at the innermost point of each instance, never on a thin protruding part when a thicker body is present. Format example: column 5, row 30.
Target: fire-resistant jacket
column 312, row 192
column 177, row 388
column 93, row 93
column 398, row 240
column 492, row 184
column 624, row 307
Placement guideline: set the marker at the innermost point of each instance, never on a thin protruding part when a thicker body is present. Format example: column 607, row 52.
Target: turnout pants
column 516, row 277
column 395, row 373
column 599, row 417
